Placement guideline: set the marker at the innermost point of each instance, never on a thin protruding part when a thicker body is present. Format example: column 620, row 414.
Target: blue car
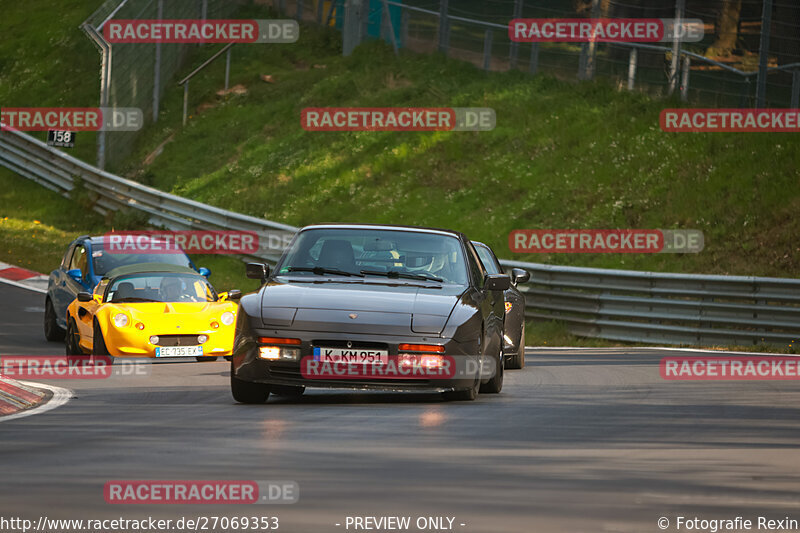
column 82, row 267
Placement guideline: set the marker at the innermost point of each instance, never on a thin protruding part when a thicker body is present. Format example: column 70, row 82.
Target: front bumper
column 247, row 366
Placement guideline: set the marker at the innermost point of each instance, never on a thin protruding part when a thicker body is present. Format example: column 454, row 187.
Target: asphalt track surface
column 589, row 440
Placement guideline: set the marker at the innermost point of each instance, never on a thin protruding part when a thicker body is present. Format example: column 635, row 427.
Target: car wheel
column 71, row 339
column 98, row 342
column 466, row 395
column 247, row 392
column 228, row 357
column 287, row 390
column 206, row 358
column 52, row 331
column 518, row 361
column 495, row 385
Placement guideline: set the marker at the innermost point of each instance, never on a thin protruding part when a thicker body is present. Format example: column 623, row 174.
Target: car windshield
column 160, row 287
column 487, row 259
column 399, row 254
column 104, row 261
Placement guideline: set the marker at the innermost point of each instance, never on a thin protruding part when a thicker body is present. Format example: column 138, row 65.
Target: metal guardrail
column 623, row 305
column 56, row 170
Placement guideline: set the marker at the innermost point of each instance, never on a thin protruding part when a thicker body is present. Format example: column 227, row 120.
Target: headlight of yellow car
column 227, row 318
column 120, row 320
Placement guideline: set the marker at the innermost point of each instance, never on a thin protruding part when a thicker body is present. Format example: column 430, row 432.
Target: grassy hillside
column 562, row 156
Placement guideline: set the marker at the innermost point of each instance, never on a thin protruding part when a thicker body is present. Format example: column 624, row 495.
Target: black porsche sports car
column 514, row 334
column 371, row 307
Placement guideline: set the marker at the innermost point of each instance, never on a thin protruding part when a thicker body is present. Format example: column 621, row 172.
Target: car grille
column 177, row 340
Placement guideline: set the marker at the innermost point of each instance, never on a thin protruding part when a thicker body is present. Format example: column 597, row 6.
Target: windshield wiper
column 398, row 274
column 321, row 271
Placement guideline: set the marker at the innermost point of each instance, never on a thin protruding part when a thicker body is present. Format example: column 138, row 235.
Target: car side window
column 67, row 257
column 79, row 259
column 475, row 268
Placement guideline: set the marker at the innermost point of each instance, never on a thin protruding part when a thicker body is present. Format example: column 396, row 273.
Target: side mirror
column 85, row 297
column 496, row 282
column 257, row 271
column 203, row 271
column 75, row 274
column 234, row 294
column 519, row 275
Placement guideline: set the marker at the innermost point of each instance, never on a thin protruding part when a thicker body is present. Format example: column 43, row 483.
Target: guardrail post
column 299, row 14
column 687, row 65
column 513, row 51
column 533, row 66
column 589, row 50
column 282, row 6
column 353, row 25
column 795, row 89
column 185, row 102
column 444, row 27
column 632, row 68
column 487, row 50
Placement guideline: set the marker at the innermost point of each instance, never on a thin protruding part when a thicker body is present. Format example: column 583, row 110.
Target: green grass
column 563, row 155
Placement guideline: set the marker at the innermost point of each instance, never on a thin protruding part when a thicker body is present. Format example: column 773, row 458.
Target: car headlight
column 227, row 318
column 120, row 320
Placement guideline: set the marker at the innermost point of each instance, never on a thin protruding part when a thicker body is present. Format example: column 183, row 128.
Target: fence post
column 185, row 102
column 487, row 50
column 389, row 26
column 763, row 54
column 320, row 9
column 227, row 67
column 444, row 27
column 632, row 68
column 513, row 52
column 589, row 50
column 743, row 99
column 533, row 66
column 282, row 6
column 404, row 28
column 299, row 13
column 676, row 45
column 353, row 26
column 795, row 89
column 687, row 64
column 157, row 67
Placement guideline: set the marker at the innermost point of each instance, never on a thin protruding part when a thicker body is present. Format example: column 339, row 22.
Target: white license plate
column 351, row 355
column 179, row 351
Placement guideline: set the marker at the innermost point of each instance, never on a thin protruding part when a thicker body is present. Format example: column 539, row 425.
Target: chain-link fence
column 135, row 74
column 722, row 70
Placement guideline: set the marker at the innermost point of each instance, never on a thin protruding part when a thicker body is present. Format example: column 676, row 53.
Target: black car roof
column 146, row 268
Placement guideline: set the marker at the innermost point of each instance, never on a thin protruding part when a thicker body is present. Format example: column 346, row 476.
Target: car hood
column 380, row 308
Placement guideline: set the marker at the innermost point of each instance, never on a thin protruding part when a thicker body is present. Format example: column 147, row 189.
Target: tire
column 228, row 357
column 71, row 339
column 467, row 395
column 206, row 358
column 517, row 362
column 247, row 392
column 495, row 385
column 52, row 331
column 287, row 390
